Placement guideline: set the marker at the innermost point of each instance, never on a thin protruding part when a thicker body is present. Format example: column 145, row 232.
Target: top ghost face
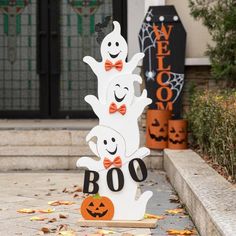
column 114, row 46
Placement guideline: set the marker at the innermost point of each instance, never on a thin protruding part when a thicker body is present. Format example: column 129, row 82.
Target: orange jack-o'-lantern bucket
column 178, row 134
column 157, row 128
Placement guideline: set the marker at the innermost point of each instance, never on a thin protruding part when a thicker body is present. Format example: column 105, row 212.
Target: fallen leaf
column 175, row 211
column 67, row 233
column 49, row 210
column 63, row 216
column 181, row 232
column 76, row 195
column 52, row 220
column 26, row 210
column 150, row 216
column 59, row 203
column 62, row 227
column 45, row 230
column 38, row 218
column 79, row 189
column 105, row 232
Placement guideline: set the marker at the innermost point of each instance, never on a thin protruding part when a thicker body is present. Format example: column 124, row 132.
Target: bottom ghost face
column 97, row 208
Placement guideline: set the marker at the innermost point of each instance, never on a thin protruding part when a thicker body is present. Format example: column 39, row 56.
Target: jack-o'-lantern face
column 97, row 208
column 177, row 134
column 157, row 128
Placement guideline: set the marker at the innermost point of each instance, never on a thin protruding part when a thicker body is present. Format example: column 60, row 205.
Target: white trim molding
column 202, row 61
column 149, row 3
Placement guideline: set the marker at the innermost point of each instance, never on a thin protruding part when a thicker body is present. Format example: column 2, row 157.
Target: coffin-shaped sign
column 162, row 38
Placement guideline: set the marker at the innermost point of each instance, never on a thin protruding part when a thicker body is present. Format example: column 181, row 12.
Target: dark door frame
column 48, row 62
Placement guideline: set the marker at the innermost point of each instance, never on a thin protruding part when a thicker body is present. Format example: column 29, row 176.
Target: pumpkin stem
column 97, row 196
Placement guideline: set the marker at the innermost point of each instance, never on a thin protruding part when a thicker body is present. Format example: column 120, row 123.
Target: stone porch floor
column 35, row 189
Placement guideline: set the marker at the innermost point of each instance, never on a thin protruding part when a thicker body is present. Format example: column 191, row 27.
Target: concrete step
column 49, row 145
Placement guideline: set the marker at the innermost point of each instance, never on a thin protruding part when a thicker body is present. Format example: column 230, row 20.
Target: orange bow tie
column 117, row 162
column 113, row 108
column 109, row 65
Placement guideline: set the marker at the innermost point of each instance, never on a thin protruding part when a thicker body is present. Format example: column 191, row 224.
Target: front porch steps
column 50, row 144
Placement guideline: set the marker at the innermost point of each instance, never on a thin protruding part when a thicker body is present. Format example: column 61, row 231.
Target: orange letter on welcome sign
column 163, row 31
column 162, row 48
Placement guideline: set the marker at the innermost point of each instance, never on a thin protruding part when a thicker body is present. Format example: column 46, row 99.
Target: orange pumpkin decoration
column 157, row 128
column 178, row 135
column 97, row 208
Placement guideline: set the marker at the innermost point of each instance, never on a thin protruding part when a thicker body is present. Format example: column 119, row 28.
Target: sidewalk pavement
column 33, row 190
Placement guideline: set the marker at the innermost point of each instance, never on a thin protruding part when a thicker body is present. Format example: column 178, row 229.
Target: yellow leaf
column 105, row 232
column 67, row 233
column 37, row 218
column 49, row 210
column 150, row 216
column 180, row 232
column 26, row 210
column 58, row 203
column 175, row 211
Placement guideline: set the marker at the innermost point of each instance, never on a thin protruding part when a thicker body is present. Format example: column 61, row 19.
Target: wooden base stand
column 146, row 223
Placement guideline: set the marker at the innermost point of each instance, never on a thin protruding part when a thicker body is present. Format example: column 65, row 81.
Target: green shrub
column 212, row 120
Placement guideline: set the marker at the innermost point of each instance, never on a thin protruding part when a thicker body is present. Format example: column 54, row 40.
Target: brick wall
column 197, row 77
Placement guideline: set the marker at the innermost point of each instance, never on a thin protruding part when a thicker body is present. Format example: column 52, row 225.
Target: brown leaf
column 76, row 195
column 181, row 232
column 52, row 220
column 79, row 189
column 26, row 210
column 45, row 230
column 63, row 216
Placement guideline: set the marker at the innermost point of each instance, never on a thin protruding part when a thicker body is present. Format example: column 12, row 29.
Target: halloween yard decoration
column 157, row 128
column 178, row 135
column 115, row 141
column 162, row 39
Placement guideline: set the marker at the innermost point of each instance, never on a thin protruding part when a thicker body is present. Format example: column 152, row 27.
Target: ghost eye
column 105, row 142
column 117, row 44
column 126, row 88
column 91, row 204
column 117, row 85
column 109, row 44
column 101, row 205
column 113, row 140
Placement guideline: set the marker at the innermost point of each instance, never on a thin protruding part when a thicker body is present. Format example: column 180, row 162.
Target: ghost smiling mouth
column 119, row 99
column 114, row 152
column 114, row 55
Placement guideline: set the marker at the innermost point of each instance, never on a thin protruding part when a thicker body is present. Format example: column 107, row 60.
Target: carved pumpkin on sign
column 157, row 128
column 97, row 208
column 178, row 136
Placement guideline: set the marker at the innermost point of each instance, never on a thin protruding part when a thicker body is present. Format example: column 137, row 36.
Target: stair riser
column 42, row 137
column 11, row 163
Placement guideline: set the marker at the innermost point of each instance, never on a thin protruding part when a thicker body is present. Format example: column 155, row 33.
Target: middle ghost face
column 121, row 91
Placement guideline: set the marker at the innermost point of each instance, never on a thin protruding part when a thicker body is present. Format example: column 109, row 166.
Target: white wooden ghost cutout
column 122, row 108
column 114, row 51
column 110, row 148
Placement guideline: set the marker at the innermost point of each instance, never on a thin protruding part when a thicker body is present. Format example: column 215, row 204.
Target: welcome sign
column 162, row 39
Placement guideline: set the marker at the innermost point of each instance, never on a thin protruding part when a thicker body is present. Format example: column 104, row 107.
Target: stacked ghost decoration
column 114, row 175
